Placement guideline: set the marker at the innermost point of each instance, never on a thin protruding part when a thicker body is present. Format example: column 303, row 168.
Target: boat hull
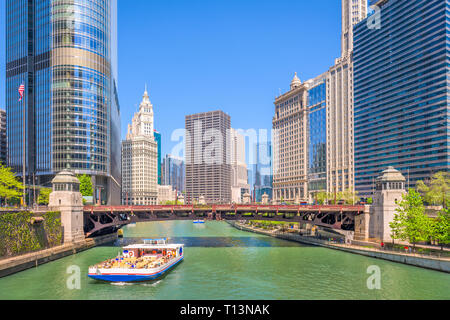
column 137, row 276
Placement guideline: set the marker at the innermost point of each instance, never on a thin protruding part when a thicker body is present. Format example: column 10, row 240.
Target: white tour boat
column 140, row 262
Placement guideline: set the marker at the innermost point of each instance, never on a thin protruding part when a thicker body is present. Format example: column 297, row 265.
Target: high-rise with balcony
column 208, row 157
column 65, row 53
column 402, row 99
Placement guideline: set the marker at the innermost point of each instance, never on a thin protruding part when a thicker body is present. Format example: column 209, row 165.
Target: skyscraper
column 340, row 139
column 208, row 157
column 317, row 135
column 239, row 176
column 173, row 172
column 140, row 158
column 290, row 167
column 3, row 139
column 402, row 91
column 66, row 56
column 158, row 140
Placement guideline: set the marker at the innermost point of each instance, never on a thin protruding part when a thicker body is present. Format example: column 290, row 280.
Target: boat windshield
column 155, row 241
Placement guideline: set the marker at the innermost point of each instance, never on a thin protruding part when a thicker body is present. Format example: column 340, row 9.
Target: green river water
column 224, row 263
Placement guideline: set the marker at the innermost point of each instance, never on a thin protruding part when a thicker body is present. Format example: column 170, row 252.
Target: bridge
column 100, row 220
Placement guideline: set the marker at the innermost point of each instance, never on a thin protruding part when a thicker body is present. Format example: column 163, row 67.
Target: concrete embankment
column 16, row 264
column 438, row 264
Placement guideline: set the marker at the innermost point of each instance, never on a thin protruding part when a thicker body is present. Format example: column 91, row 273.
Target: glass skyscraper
column 401, row 91
column 65, row 53
column 158, row 137
column 317, row 135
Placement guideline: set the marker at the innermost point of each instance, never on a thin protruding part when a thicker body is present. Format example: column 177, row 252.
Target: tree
column 10, row 186
column 441, row 228
column 349, row 196
column 322, row 197
column 44, row 195
column 410, row 222
column 437, row 191
column 86, row 188
column 369, row 201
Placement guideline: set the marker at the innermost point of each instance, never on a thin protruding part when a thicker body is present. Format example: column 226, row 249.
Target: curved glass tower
column 65, row 52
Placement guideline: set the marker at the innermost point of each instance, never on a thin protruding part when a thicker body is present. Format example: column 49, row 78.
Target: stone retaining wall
column 20, row 263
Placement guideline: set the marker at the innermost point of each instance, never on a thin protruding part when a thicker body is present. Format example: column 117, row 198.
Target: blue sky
column 203, row 55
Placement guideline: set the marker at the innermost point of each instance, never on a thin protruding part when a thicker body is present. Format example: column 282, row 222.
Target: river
column 224, row 263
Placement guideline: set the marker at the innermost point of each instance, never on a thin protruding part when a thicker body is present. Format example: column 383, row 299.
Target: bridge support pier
column 67, row 199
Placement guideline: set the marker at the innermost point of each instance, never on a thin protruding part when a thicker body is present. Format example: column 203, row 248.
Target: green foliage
column 410, row 222
column 44, row 195
column 322, row 197
column 10, row 186
column 441, row 227
column 437, row 191
column 86, row 188
column 369, row 201
column 53, row 229
column 17, row 234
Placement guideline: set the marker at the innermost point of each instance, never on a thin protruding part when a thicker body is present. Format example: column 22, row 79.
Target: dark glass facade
column 317, row 137
column 158, row 140
column 401, row 92
column 64, row 51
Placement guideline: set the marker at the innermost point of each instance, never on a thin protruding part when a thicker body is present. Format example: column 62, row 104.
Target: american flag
column 21, row 91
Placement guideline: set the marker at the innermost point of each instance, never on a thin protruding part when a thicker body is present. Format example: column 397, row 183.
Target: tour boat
column 199, row 221
column 139, row 262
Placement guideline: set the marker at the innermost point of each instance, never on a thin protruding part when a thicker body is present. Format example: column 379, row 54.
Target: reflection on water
column 225, row 263
column 218, row 242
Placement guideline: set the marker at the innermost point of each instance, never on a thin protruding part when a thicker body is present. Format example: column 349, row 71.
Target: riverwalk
column 419, row 260
column 16, row 264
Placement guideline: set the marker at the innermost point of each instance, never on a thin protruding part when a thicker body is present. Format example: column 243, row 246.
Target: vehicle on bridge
column 140, row 262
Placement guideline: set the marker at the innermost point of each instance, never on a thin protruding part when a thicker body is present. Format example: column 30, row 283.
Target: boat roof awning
column 154, row 246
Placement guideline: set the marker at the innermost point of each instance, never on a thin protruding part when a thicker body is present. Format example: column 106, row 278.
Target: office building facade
column 317, row 136
column 173, row 173
column 158, row 140
column 140, row 158
column 290, row 168
column 3, row 138
column 208, row 157
column 239, row 176
column 65, row 54
column 402, row 92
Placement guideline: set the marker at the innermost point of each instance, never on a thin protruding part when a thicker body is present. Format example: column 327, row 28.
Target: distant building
column 3, row 138
column 158, row 140
column 263, row 171
column 140, row 158
column 166, row 194
column 239, row 177
column 173, row 173
column 208, row 157
column 402, row 92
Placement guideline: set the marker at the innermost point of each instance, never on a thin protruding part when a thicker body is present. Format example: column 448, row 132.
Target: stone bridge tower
column 374, row 223
column 67, row 199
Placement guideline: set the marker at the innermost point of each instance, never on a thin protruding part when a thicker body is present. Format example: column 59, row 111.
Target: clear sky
column 203, row 55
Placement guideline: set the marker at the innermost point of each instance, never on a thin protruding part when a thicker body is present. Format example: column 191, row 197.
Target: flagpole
column 23, row 154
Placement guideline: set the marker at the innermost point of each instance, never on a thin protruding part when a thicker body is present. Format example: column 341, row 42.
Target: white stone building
column 239, row 178
column 340, row 117
column 140, row 158
column 165, row 194
column 290, row 144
